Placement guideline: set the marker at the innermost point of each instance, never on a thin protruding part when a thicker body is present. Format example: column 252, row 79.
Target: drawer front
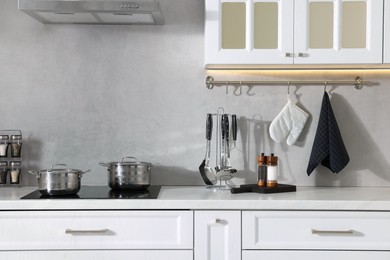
column 316, row 230
column 29, row 230
column 99, row 255
column 317, row 255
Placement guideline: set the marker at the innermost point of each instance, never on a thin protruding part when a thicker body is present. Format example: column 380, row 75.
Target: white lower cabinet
column 217, row 235
column 96, row 235
column 194, row 235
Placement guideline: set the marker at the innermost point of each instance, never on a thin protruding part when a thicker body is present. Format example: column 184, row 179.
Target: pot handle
column 104, row 164
column 59, row 164
column 85, row 171
column 129, row 157
column 81, row 173
column 36, row 173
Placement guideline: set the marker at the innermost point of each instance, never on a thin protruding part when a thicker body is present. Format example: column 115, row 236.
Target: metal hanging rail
column 358, row 83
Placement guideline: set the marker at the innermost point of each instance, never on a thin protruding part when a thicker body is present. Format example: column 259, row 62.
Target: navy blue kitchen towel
column 328, row 147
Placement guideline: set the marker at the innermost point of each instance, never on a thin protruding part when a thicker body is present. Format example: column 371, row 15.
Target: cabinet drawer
column 316, row 230
column 29, row 230
column 99, row 255
column 317, row 255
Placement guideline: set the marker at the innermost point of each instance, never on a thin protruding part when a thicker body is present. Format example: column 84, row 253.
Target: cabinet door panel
column 338, row 31
column 217, row 235
column 317, row 255
column 268, row 32
column 386, row 51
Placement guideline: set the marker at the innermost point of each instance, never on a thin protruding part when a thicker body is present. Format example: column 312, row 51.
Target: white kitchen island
column 192, row 222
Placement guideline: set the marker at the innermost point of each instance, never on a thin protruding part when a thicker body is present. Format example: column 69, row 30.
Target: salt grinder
column 272, row 171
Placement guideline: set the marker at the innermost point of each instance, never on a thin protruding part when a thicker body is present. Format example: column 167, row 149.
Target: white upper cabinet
column 280, row 32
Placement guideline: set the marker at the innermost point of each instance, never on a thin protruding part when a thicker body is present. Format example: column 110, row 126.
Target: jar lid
column 4, row 137
column 3, row 164
column 15, row 163
column 16, row 137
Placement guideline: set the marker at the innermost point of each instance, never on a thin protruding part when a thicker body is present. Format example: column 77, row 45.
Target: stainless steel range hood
column 93, row 11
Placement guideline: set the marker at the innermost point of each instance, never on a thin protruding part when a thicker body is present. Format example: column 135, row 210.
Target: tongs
column 225, row 170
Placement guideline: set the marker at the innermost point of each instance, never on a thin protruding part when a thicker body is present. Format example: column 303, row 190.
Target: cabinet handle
column 289, row 55
column 217, row 220
column 86, row 231
column 302, row 55
column 332, row 232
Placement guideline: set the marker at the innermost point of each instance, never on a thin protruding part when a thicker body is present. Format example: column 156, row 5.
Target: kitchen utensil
column 234, row 129
column 59, row 180
column 128, row 175
column 227, row 132
column 225, row 171
column 205, row 170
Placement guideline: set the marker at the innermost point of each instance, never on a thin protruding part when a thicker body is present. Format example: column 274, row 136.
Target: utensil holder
column 223, row 131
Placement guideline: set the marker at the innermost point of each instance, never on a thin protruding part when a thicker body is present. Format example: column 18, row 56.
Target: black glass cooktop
column 101, row 192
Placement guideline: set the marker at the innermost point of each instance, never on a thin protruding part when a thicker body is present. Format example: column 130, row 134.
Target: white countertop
column 198, row 197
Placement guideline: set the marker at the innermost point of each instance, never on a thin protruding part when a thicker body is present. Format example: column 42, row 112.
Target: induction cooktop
column 101, row 192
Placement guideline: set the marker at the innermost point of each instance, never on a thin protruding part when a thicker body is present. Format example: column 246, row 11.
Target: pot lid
column 56, row 168
column 133, row 162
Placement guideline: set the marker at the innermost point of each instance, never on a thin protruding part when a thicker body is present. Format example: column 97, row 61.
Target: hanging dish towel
column 288, row 123
column 328, row 147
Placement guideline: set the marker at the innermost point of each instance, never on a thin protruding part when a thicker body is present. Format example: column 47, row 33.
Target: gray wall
column 86, row 94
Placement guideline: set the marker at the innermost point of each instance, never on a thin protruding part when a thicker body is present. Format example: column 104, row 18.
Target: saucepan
column 59, row 180
column 128, row 174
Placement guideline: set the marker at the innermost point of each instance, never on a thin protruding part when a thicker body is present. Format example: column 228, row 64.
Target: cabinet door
column 386, row 46
column 248, row 32
column 217, row 235
column 338, row 31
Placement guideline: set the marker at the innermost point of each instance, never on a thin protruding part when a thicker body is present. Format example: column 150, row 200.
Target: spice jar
column 15, row 172
column 261, row 170
column 3, row 145
column 16, row 145
column 3, row 172
column 272, row 171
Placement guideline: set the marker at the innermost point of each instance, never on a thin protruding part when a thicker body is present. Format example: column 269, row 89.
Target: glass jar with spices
column 15, row 172
column 4, row 145
column 3, row 172
column 16, row 145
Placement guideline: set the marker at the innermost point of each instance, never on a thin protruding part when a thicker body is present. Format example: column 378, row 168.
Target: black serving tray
column 255, row 188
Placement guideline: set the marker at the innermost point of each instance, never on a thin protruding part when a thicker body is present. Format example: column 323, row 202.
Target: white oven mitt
column 288, row 123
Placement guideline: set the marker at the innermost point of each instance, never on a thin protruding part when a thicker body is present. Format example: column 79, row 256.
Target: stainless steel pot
column 128, row 175
column 59, row 180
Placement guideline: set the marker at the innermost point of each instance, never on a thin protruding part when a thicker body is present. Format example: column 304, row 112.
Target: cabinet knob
column 302, row 54
column 217, row 220
column 289, row 55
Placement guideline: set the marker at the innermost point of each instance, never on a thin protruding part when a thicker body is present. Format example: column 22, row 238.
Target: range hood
column 93, row 11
